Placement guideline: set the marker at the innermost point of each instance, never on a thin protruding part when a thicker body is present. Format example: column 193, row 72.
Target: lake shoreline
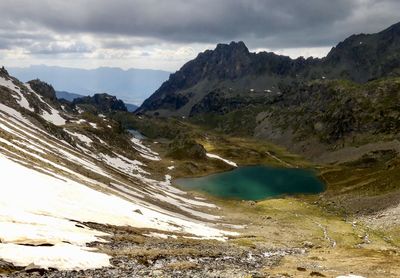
column 265, row 180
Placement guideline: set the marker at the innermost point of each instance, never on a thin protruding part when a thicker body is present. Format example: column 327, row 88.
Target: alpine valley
column 89, row 189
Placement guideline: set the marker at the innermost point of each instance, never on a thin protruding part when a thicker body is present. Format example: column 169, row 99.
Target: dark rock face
column 44, row 89
column 217, row 102
column 365, row 57
column 359, row 58
column 170, row 101
column 102, row 103
column 3, row 71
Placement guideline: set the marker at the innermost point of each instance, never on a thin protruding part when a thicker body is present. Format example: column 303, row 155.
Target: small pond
column 256, row 183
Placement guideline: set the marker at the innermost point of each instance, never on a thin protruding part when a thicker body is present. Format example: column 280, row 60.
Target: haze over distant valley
column 133, row 86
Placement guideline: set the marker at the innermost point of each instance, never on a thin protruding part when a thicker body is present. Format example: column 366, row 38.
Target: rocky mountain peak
column 44, row 89
column 232, row 48
column 3, row 71
column 101, row 103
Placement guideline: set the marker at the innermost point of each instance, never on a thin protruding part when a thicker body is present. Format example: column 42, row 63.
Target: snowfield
column 37, row 209
column 50, row 188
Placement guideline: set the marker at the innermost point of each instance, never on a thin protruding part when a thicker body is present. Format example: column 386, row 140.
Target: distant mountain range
column 132, row 85
column 67, row 95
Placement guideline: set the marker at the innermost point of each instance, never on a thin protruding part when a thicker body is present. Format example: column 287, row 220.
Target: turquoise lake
column 256, row 183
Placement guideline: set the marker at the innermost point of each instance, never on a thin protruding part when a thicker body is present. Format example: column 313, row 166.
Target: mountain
column 232, row 71
column 132, row 85
column 102, row 103
column 231, row 68
column 67, row 95
column 311, row 106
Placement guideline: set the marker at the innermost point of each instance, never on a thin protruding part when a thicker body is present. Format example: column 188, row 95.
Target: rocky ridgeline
column 103, row 103
column 232, row 68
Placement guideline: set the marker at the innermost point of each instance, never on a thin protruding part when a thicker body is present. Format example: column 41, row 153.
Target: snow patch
column 144, row 151
column 210, row 155
column 37, row 208
column 53, row 117
column 93, row 125
column 159, row 235
column 62, row 256
column 81, row 137
column 123, row 164
column 22, row 101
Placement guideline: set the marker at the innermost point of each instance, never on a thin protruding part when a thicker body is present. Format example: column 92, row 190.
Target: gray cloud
column 57, row 48
column 260, row 23
column 16, row 38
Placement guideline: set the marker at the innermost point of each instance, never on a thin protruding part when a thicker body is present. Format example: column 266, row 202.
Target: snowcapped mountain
column 61, row 169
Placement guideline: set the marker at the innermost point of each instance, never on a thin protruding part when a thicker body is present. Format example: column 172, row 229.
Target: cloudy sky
column 163, row 34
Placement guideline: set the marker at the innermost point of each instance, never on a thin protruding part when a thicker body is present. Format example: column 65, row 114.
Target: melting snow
column 210, row 155
column 22, row 101
column 81, row 137
column 53, row 117
column 14, row 113
column 145, row 151
column 123, row 164
column 159, row 235
column 62, row 256
column 79, row 110
column 37, row 208
column 81, row 121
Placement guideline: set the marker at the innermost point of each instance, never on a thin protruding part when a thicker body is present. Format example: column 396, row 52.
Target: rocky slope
column 365, row 57
column 62, row 169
